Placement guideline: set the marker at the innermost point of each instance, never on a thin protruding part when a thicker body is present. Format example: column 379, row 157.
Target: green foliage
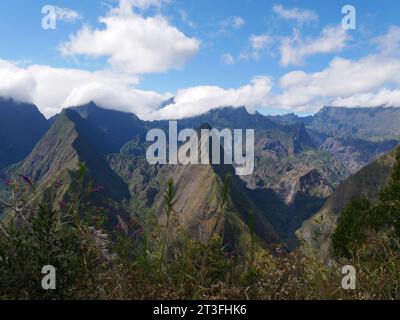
column 169, row 196
column 28, row 242
column 352, row 227
column 360, row 217
column 131, row 262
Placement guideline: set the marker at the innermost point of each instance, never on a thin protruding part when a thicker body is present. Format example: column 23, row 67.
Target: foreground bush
column 136, row 259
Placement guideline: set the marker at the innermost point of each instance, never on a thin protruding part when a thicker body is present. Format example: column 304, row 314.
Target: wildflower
column 27, row 180
column 62, row 204
column 58, row 184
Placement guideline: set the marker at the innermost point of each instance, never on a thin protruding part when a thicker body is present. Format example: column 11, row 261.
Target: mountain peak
column 71, row 140
column 167, row 102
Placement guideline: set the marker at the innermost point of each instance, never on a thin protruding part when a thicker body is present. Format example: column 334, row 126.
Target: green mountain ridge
column 317, row 231
column 70, row 141
column 296, row 169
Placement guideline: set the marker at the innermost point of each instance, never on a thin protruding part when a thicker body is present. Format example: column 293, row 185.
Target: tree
column 359, row 217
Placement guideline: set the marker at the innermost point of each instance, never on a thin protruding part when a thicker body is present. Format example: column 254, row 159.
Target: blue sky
column 217, row 52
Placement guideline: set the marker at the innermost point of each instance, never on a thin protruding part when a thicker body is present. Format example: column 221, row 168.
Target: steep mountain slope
column 21, row 127
column 199, row 204
column 146, row 182
column 295, row 170
column 69, row 141
column 283, row 153
column 318, row 230
column 299, row 168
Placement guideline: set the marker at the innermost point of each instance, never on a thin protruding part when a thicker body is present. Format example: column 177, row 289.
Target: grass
column 137, row 260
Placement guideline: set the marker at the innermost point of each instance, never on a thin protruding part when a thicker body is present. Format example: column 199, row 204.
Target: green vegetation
column 139, row 260
column 360, row 217
column 365, row 184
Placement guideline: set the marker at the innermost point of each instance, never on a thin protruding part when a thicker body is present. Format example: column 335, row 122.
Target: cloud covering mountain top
column 134, row 43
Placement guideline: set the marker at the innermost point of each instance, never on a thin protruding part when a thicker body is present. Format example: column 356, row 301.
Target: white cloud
column 295, row 50
column 344, row 82
column 67, row 15
column 383, row 97
column 52, row 89
column 227, row 59
column 389, row 43
column 116, row 97
column 15, row 82
column 230, row 24
column 259, row 42
column 237, row 22
column 299, row 15
column 134, row 43
column 197, row 100
column 369, row 81
column 341, row 80
column 233, row 22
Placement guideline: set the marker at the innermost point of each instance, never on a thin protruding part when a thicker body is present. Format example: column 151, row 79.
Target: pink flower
column 27, row 180
column 58, row 184
column 63, row 205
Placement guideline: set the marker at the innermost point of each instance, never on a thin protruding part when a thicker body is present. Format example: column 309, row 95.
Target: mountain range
column 299, row 164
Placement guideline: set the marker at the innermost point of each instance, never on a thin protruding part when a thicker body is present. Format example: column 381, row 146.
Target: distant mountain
column 280, row 150
column 84, row 134
column 291, row 118
column 296, row 169
column 229, row 117
column 356, row 153
column 21, row 127
column 373, row 124
column 317, row 231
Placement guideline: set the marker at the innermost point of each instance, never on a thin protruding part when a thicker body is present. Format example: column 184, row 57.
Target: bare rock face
column 315, row 184
column 307, row 181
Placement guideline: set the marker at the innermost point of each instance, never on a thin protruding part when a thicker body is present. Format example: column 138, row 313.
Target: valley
column 297, row 167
